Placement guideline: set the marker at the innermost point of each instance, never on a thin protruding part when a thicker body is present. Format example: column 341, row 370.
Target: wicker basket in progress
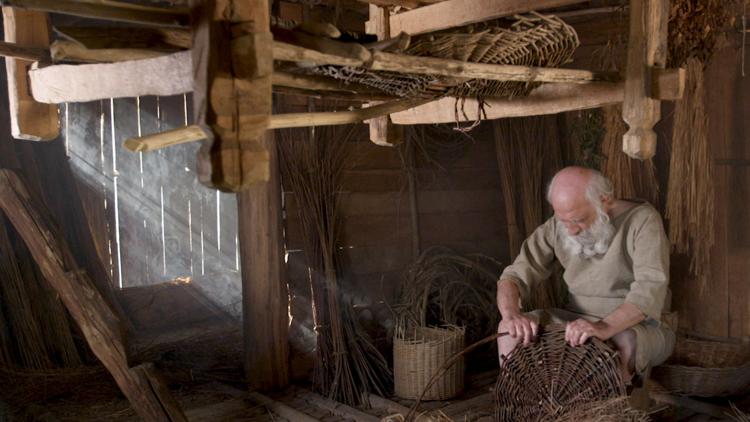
column 706, row 367
column 418, row 353
column 551, row 380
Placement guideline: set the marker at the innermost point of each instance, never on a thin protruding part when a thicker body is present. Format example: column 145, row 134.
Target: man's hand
column 580, row 330
column 519, row 326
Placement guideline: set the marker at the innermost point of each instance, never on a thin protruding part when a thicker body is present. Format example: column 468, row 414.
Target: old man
column 615, row 257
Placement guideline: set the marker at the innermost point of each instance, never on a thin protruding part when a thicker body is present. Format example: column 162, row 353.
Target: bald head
column 569, row 186
column 577, row 195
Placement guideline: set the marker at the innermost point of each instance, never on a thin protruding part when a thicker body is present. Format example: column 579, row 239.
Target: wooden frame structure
column 230, row 70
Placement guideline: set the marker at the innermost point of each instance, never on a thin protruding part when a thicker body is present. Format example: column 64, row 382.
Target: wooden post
column 264, row 294
column 29, row 120
column 232, row 66
column 98, row 323
column 647, row 50
column 382, row 130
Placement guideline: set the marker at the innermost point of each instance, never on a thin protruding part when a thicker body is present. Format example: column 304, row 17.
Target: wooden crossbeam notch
column 29, row 119
column 232, row 67
column 647, row 51
column 99, row 324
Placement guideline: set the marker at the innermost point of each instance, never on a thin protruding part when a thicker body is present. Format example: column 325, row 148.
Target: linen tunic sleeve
column 534, row 262
column 650, row 256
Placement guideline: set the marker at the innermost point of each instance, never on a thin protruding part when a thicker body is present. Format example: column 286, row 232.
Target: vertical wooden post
column 233, row 63
column 647, row 50
column 382, row 130
column 29, row 119
column 264, row 293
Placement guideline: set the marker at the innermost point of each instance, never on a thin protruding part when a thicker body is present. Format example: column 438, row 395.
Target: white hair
column 599, row 187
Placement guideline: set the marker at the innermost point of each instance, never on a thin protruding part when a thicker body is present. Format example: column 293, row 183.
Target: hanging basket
column 418, row 353
column 706, row 367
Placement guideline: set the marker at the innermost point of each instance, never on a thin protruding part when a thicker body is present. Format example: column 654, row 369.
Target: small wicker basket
column 706, row 367
column 418, row 353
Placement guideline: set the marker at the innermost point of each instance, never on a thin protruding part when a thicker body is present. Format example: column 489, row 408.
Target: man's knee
column 625, row 342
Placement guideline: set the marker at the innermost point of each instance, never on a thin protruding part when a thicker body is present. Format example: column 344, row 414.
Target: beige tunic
column 635, row 269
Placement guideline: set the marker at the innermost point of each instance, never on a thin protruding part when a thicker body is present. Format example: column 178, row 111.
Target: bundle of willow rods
column 738, row 415
column 528, row 155
column 445, row 288
column 690, row 197
column 631, row 178
column 348, row 364
column 35, row 330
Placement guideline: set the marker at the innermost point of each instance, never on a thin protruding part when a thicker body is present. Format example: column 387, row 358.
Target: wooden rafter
column 403, row 63
column 547, row 99
column 453, row 13
column 107, row 10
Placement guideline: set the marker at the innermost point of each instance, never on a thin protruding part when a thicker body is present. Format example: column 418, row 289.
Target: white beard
column 590, row 242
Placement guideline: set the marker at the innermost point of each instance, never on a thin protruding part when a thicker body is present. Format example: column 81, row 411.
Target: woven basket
column 706, row 367
column 550, row 380
column 418, row 354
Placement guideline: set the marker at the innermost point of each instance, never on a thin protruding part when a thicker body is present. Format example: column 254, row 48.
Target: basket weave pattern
column 551, row 379
column 532, row 40
column 419, row 353
column 706, row 368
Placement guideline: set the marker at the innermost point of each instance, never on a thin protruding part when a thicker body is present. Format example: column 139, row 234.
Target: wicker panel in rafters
column 531, row 40
column 551, row 381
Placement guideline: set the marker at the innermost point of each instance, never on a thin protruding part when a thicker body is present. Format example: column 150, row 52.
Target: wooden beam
column 265, row 298
column 164, row 76
column 98, row 323
column 442, row 67
column 195, row 133
column 647, row 49
column 109, row 10
column 547, row 99
column 122, row 37
column 29, row 119
column 452, row 13
column 165, row 139
column 293, row 53
column 407, row 4
column 320, row 83
column 32, row 54
column 332, row 95
column 288, row 120
column 71, row 51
